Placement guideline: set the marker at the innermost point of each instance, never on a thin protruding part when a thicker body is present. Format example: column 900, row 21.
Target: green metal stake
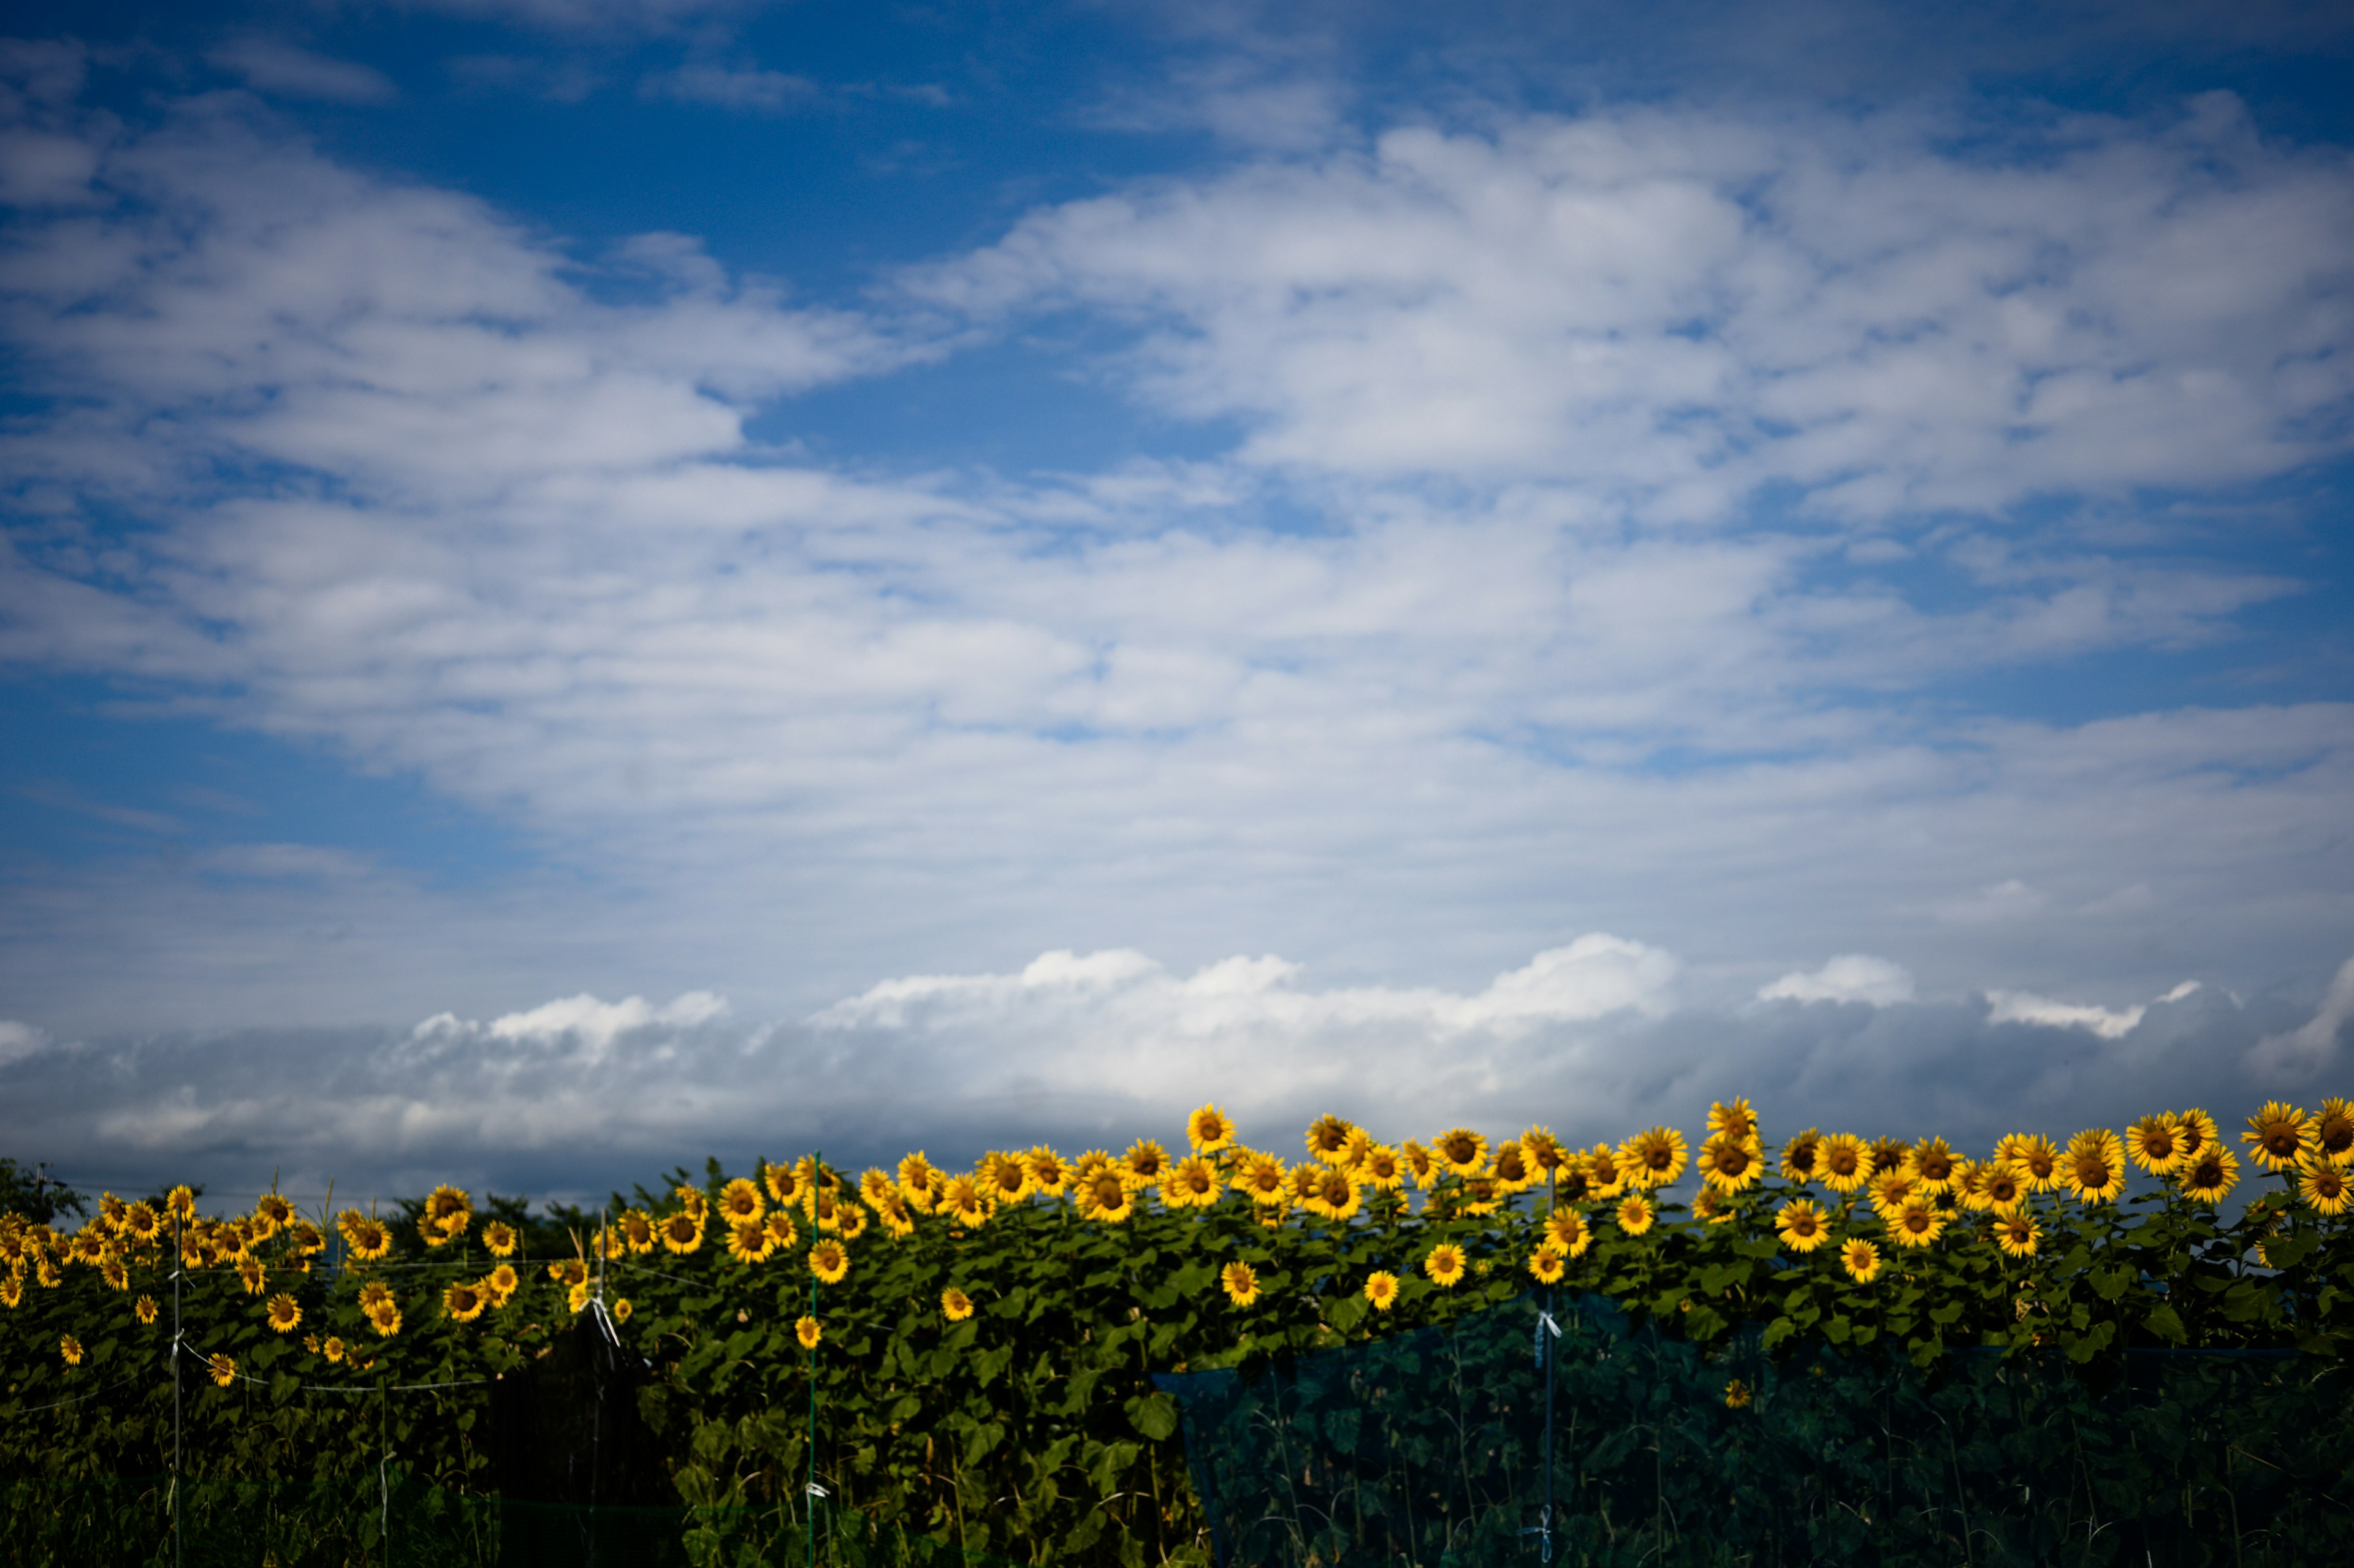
column 817, row 1172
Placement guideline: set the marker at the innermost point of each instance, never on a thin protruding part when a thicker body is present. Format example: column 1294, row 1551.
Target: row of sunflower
column 989, row 1333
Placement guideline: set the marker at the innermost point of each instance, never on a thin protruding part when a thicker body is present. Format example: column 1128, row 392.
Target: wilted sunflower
column 251, row 1275
column 1861, row 1261
column 2209, row 1175
column 71, row 1348
column 748, row 1241
column 1916, row 1221
column 830, row 1261
column 1050, row 1174
column 1845, row 1165
column 1105, row 1196
column 1566, row 1229
column 2094, row 1168
column 1712, row 1206
column 1801, row 1226
column 1241, row 1282
column 1802, row 1156
column 1445, row 1265
column 1510, row 1170
column 1654, row 1157
column 1461, row 1151
column 1730, row 1164
column 1420, row 1162
column 1546, row 1263
column 1735, row 1120
column 1606, row 1173
column 1190, row 1183
column 955, row 1304
column 283, row 1313
column 223, row 1368
column 741, row 1200
column 1144, row 1163
column 1209, row 1129
column 1634, row 1214
column 502, row 1283
column 2323, row 1185
column 146, row 1309
column 462, row 1301
column 2155, row 1142
column 2018, row 1234
column 1328, row 1139
column 682, row 1233
column 809, row 1331
column 2333, row 1131
column 333, row 1348
column 2277, row 1135
column 1382, row 1289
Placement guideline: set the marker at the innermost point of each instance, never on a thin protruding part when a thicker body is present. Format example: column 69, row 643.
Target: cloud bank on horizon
column 1886, row 563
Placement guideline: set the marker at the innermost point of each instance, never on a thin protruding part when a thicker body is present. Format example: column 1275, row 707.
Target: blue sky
column 590, row 580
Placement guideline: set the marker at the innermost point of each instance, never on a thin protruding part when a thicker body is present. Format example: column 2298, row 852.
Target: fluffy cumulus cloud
column 1851, row 977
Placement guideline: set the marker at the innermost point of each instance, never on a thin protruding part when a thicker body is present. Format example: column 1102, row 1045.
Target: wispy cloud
column 277, row 66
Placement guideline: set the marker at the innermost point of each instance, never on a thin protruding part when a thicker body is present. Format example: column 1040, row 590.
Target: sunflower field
column 962, row 1362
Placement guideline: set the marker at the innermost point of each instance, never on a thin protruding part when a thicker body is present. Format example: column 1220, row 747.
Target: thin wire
column 77, row 1399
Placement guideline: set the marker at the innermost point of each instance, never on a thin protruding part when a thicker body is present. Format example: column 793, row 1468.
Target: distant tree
column 25, row 1190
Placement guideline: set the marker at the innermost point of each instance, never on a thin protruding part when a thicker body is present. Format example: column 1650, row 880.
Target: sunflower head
column 1861, row 1261
column 1145, row 1162
column 1654, row 1157
column 636, row 1228
column 1801, row 1226
column 682, row 1233
column 1734, row 1120
column 1193, row 1183
column 1050, row 1174
column 749, row 1241
column 2003, row 1186
column 1446, row 1264
column 1566, row 1230
column 1887, row 1189
column 146, row 1309
column 1420, row 1162
column 1714, row 1206
column 1606, row 1173
column 1573, row 1182
column 366, row 1237
column 1802, row 1156
column 2333, row 1131
column 1461, row 1151
column 809, row 1331
column 1382, row 1168
column 1544, row 1151
column 1005, row 1178
column 1887, row 1153
column 223, row 1368
column 1208, row 1129
column 1328, row 1139
column 2036, row 1156
column 332, row 1348
column 1737, row 1395
column 1241, row 1282
column 1916, row 1221
column 2094, row 1165
column 2279, row 1135
column 2323, row 1185
column 894, row 1213
column 251, row 1275
column 2155, row 1142
column 2018, row 1234
column 283, row 1313
column 462, row 1301
column 955, row 1304
column 1730, row 1164
column 1845, row 1163
column 741, row 1200
column 1337, row 1196
column 1382, row 1289
column 786, row 1185
column 914, row 1173
column 1546, row 1264
column 1105, row 1196
column 70, row 1349
column 1634, row 1214
column 830, row 1261
column 502, row 1283
column 621, row 1309
column 1933, row 1164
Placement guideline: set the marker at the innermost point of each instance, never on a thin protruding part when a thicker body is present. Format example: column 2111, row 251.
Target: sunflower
column 1731, row 1164
column 621, row 1309
column 366, row 1237
column 1735, row 1121
column 2333, row 1131
column 1105, row 1196
column 2199, row 1131
column 333, row 1348
column 1861, row 1261
column 1461, row 1151
column 2035, row 1156
column 850, row 1221
column 741, row 1200
column 781, row 1229
column 955, row 1304
column 1969, row 1185
column 2323, row 1185
column 1050, row 1174
column 825, row 1207
column 224, row 1370
column 110, row 1269
column 1545, row 1264
column 1209, row 1129
column 1354, row 1153
column 1420, row 1162
column 1801, row 1226
column 502, row 1283
column 682, row 1233
column 1843, row 1165
column 785, row 1184
column 251, row 1275
column 1544, row 1151
column 893, row 1211
column 12, row 1289
column 146, row 1309
column 274, row 1211
column 2155, row 1142
column 71, row 1348
column 809, row 1331
column 2209, row 1175
column 2094, row 1168
column 1328, row 1136
column 2003, row 1187
column 1634, row 1214
column 1511, row 1168
column 1005, row 1178
column 748, row 1241
column 1802, row 1156
column 1916, row 1221
column 1654, row 1157
column 462, row 1301
column 1382, row 1289
column 1887, row 1189
column 1572, row 1183
column 1606, row 1173
column 914, row 1175
column 1088, row 1164
column 374, row 1294
column 1566, row 1230
column 1193, row 1183
column 283, row 1314
column 1737, row 1395
column 1483, row 1196
column 1260, row 1177
column 110, row 1211
column 637, row 1230
column 1337, row 1197
column 1144, row 1163
column 578, row 1297
column 1712, row 1206
column 830, row 1261
column 2279, row 1135
column 1933, row 1163
column 448, row 1211
column 302, row 1239
column 1241, row 1282
column 1445, row 1265
column 142, row 1222
column 2018, row 1234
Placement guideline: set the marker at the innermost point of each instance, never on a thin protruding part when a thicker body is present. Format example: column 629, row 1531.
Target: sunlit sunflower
column 635, row 1228
column 830, row 1261
column 1461, row 1151
column 1382, row 1168
column 875, row 1184
column 367, row 1239
column 251, row 1275
column 110, row 1269
column 748, row 1241
column 1546, row 1264
column 2018, row 1234
column 914, row 1176
column 740, row 1199
column 146, row 1309
column 1712, row 1206
column 1887, row 1189
column 1420, row 1162
column 1241, row 1282
column 1510, row 1170
column 1606, row 1173
column 1144, row 1163
column 1969, row 1185
column 1572, row 1183
column 621, row 1309
column 1446, row 1264
column 2333, row 1131
column 1729, row 1164
column 223, row 1368
column 2003, row 1186
column 273, row 1211
column 2323, row 1185
column 1209, row 1129
column 1260, row 1178
column 1634, row 1214
column 576, row 1297
column 850, row 1221
column 1844, row 1164
column 1107, row 1197
column 1544, row 1151
column 502, row 1283
column 1337, row 1196
column 1050, row 1174
column 1887, row 1153
column 1192, row 1183
column 140, row 1221
column 1801, row 1226
column 1481, row 1195
column 1654, row 1157
column 1916, row 1221
column 12, row 1289
column 2037, row 1160
column 374, row 1293
column 825, row 1206
column 462, row 1301
column 1328, row 1139
column 2279, row 1135
column 71, row 1348
column 1802, row 1156
column 955, row 1304
column 893, row 1211
column 782, row 1231
column 448, row 1211
column 499, row 1238
column 1005, row 1178
column 1382, row 1289
column 1566, row 1230
column 1734, row 1120
column 2154, row 1143
column 682, row 1233
column 1861, row 1261
column 333, row 1348
column 109, row 1212
column 2198, row 1133
column 2093, row 1167
column 283, row 1313
column 2209, row 1175
column 1933, row 1164
column 1352, row 1153
column 809, row 1331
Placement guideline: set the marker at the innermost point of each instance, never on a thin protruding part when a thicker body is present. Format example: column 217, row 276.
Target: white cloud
column 743, row 89
column 1849, row 976
column 19, row 1041
column 2301, row 1054
column 2009, row 899
column 2109, row 1024
column 276, row 66
column 594, row 1024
